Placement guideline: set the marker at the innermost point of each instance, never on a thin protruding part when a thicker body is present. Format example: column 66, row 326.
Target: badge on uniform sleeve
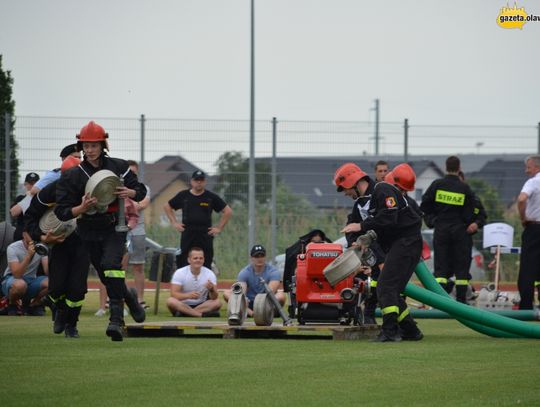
column 390, row 202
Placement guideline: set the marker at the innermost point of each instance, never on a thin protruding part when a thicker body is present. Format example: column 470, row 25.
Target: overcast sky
column 433, row 62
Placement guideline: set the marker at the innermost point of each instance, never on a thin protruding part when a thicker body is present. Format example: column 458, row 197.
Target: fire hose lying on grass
column 482, row 321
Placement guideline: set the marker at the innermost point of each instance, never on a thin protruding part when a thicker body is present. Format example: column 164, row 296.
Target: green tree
column 233, row 177
column 295, row 214
column 489, row 197
column 7, row 106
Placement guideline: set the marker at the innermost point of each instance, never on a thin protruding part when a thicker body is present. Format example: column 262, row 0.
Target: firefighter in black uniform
column 479, row 220
column 398, row 232
column 68, row 260
column 346, row 179
column 449, row 203
column 197, row 205
column 105, row 245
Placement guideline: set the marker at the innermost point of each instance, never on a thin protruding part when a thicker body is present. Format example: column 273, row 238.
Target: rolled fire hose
column 350, row 261
column 343, row 266
column 50, row 223
column 102, row 186
column 237, row 309
column 263, row 310
column 6, row 236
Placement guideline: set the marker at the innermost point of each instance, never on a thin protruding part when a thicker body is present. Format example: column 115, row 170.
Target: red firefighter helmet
column 347, row 176
column 92, row 132
column 404, row 176
column 389, row 177
column 69, row 162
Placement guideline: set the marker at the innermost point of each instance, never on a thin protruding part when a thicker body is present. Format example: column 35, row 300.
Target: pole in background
column 538, row 152
column 251, row 186
column 377, row 108
column 406, row 140
column 7, row 156
column 141, row 163
column 274, row 189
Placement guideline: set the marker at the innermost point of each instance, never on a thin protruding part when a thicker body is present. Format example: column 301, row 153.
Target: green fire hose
column 482, row 321
column 522, row 315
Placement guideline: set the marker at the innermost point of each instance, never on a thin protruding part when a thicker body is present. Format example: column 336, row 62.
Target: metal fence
column 202, row 142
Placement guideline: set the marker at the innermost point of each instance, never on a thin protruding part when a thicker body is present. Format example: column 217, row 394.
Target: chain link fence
column 306, row 156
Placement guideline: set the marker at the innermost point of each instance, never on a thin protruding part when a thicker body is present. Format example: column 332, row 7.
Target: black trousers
column 370, row 304
column 106, row 249
column 529, row 267
column 401, row 260
column 68, row 269
column 452, row 251
column 196, row 237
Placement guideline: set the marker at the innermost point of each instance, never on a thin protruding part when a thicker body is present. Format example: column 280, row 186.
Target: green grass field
column 452, row 366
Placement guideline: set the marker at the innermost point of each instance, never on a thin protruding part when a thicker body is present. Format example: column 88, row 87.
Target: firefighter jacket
column 391, row 216
column 71, row 188
column 359, row 212
column 479, row 212
column 447, row 201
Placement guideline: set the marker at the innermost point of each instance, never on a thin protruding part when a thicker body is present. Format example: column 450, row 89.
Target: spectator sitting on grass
column 194, row 289
column 250, row 278
column 21, row 281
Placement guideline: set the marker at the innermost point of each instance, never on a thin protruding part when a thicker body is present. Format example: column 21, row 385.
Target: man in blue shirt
column 250, row 276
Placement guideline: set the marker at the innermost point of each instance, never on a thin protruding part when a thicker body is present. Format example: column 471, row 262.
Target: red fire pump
column 315, row 299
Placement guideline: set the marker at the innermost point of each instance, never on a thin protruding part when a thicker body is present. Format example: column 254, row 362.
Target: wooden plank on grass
column 250, row 330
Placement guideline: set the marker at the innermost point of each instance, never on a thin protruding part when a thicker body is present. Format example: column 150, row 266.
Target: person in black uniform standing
column 104, row 243
column 397, row 227
column 346, row 179
column 479, row 220
column 449, row 204
column 68, row 260
column 196, row 227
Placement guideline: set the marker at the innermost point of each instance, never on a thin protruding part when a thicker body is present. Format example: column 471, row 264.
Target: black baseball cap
column 68, row 150
column 257, row 249
column 31, row 178
column 198, row 175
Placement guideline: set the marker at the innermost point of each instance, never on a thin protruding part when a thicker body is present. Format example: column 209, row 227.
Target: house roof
column 311, row 177
column 507, row 177
column 469, row 162
column 166, row 170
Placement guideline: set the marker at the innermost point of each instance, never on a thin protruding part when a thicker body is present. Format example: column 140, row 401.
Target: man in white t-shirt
column 528, row 204
column 194, row 289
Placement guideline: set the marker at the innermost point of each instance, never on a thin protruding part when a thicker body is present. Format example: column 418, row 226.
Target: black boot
column 409, row 331
column 447, row 287
column 136, row 310
column 48, row 301
column 72, row 316
column 461, row 293
column 389, row 330
column 60, row 317
column 115, row 329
